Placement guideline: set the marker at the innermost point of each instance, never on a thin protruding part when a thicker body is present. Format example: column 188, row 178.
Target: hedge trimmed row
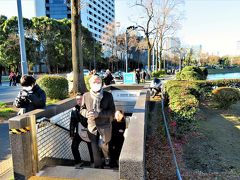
column 184, row 96
column 183, row 104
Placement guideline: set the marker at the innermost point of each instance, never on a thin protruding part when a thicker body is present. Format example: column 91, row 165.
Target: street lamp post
column 24, row 65
column 126, row 50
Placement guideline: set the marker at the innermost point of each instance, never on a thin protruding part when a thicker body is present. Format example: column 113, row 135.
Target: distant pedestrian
column 137, row 74
column 107, row 79
column 143, row 76
column 31, row 96
column 18, row 77
column 78, row 133
column 11, row 77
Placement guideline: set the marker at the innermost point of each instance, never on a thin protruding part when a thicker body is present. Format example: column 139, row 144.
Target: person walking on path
column 78, row 133
column 137, row 76
column 108, row 78
column 98, row 107
column 11, row 78
column 143, row 76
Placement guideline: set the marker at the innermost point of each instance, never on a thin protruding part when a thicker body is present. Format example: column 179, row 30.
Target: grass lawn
column 214, row 149
column 6, row 111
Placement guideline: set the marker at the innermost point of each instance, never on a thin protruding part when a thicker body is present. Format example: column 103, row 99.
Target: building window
column 47, row 8
column 47, row 1
column 48, row 15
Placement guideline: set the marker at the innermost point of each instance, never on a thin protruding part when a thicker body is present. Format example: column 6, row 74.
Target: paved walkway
column 8, row 93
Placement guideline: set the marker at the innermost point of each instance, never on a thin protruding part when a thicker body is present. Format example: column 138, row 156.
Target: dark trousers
column 75, row 145
column 95, row 149
column 115, row 147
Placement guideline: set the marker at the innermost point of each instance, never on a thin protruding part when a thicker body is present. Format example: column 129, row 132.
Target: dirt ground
column 158, row 155
column 213, row 151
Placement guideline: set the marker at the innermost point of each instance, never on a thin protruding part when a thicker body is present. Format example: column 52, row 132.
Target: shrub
column 183, row 104
column 226, row 96
column 158, row 73
column 86, row 79
column 204, row 71
column 192, row 73
column 55, row 87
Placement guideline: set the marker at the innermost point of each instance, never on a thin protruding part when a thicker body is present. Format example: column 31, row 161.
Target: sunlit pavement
column 8, row 93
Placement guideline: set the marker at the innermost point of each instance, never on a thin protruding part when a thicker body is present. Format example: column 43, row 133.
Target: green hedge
column 183, row 104
column 184, row 96
column 226, row 96
column 192, row 73
column 55, row 87
column 158, row 73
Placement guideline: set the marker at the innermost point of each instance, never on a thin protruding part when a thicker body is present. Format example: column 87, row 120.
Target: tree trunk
column 77, row 59
column 149, row 59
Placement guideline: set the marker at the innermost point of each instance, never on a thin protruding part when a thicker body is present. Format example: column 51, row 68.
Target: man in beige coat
column 98, row 107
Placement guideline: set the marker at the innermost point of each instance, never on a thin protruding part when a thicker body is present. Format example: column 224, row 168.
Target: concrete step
column 50, row 178
column 82, row 174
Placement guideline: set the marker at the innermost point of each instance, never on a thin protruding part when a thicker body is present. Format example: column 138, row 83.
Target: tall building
column 97, row 15
column 57, row 9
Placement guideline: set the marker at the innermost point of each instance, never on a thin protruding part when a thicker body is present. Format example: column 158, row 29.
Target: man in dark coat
column 98, row 107
column 31, row 96
column 78, row 124
column 108, row 78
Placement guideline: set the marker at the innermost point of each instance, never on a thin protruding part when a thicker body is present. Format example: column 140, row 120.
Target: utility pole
column 24, row 65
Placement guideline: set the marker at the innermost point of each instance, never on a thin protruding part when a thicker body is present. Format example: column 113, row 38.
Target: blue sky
column 215, row 24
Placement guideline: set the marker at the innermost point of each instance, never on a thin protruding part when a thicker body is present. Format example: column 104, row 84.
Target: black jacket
column 76, row 118
column 30, row 100
column 108, row 79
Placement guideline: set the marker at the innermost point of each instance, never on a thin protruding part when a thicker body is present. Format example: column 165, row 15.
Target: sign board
column 129, row 78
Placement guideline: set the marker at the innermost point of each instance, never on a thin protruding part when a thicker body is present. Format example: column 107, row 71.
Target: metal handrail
column 41, row 121
column 170, row 142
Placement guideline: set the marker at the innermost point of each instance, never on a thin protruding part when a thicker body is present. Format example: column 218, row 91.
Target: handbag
column 82, row 131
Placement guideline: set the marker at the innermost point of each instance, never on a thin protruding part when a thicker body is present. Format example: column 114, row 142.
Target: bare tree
column 77, row 57
column 168, row 19
column 148, row 27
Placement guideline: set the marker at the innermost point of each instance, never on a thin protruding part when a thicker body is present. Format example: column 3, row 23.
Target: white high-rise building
column 98, row 16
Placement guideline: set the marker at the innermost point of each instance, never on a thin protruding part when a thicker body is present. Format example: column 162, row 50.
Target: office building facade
column 97, row 15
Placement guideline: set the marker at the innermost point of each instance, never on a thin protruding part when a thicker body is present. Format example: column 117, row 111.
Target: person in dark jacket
column 108, row 78
column 116, row 143
column 31, row 96
column 98, row 107
column 78, row 124
column 137, row 76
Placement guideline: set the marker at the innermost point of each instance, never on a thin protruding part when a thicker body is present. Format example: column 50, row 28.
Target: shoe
column 107, row 161
column 79, row 165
